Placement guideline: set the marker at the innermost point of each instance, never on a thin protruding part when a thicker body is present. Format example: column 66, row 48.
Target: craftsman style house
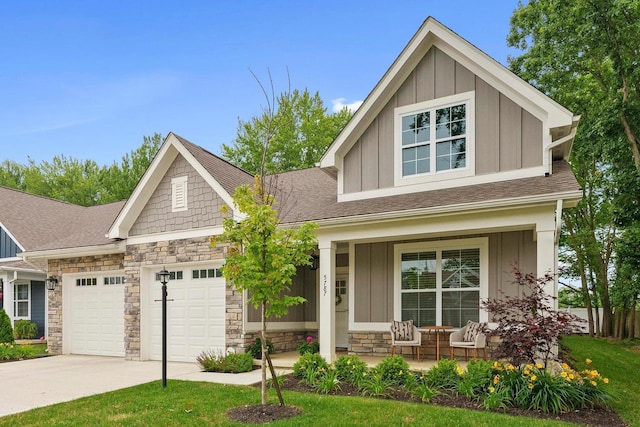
column 452, row 169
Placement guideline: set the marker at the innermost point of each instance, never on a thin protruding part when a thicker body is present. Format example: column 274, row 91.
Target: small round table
column 436, row 330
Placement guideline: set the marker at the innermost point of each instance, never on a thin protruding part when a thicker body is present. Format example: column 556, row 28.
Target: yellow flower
column 496, row 379
column 533, row 378
column 349, row 362
column 526, row 372
column 565, row 366
column 563, row 374
column 491, row 389
column 460, row 371
column 606, row 380
column 593, row 383
column 529, row 366
column 530, row 386
column 510, row 367
column 588, row 361
column 539, row 365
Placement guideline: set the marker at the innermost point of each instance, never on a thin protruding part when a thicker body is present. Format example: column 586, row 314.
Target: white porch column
column 546, row 263
column 327, row 314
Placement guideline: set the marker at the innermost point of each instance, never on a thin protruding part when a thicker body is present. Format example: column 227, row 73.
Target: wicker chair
column 415, row 343
column 474, row 341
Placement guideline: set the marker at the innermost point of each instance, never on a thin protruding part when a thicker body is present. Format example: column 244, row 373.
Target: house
column 452, row 169
column 26, row 222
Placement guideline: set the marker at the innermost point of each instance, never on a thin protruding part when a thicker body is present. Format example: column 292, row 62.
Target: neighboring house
column 452, row 169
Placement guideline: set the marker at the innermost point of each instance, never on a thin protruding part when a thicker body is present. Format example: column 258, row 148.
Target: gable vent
column 179, row 194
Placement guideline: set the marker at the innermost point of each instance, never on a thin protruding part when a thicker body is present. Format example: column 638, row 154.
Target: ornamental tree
column 528, row 327
column 262, row 256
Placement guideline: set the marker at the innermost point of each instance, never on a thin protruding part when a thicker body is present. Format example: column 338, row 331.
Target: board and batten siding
column 8, row 248
column 203, row 204
column 507, row 137
column 304, row 284
column 374, row 269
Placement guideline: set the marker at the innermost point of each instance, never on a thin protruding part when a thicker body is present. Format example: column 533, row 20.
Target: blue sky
column 87, row 79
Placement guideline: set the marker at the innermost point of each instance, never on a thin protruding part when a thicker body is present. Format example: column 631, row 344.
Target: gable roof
column 39, row 223
column 221, row 175
column 433, row 33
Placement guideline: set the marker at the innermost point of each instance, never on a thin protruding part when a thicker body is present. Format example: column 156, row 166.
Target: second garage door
column 195, row 314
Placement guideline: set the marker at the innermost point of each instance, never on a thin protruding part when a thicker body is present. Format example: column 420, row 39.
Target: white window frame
column 179, row 187
column 16, row 301
column 467, row 98
column 481, row 243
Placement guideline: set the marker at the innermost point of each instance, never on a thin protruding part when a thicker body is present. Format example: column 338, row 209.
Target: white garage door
column 195, row 314
column 97, row 315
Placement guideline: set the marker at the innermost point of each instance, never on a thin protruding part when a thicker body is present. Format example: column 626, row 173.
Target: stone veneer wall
column 282, row 341
column 58, row 268
column 165, row 253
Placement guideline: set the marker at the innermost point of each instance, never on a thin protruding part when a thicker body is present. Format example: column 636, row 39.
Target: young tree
column 262, row 256
column 528, row 327
column 302, row 131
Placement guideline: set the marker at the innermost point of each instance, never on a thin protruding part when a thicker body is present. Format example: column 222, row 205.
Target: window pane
column 458, row 128
column 22, row 292
column 409, row 154
column 422, row 120
column 460, row 306
column 461, row 268
column 408, row 123
column 458, row 112
column 423, row 135
column 442, row 163
column 419, row 307
column 423, row 166
column 418, row 270
column 443, row 131
column 408, row 137
column 22, row 309
column 443, row 115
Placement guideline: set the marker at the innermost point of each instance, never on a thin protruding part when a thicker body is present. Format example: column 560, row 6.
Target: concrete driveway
column 33, row 383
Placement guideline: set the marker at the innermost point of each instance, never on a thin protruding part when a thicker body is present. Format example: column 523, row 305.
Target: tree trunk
column 263, row 364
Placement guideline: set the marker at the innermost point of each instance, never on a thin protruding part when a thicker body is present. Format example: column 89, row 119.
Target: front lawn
column 21, row 351
column 187, row 403
column 617, row 360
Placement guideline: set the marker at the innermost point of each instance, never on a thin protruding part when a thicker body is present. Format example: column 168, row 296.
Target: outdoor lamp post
column 164, row 278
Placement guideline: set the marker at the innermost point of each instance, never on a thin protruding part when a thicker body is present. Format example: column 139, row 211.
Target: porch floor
column 287, row 359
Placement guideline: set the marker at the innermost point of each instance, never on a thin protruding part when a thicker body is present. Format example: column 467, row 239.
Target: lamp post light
column 164, row 278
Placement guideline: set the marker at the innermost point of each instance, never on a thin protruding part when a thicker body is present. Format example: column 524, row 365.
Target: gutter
column 112, row 248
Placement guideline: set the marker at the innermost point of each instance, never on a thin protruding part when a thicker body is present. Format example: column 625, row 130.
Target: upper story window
column 179, row 194
column 435, row 137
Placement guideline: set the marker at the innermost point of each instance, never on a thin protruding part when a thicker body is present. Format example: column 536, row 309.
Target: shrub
column 6, row 331
column 24, row 329
column 528, row 327
column 9, row 351
column 255, row 348
column 444, row 375
column 308, row 346
column 308, row 363
column 476, row 380
column 350, row 368
column 374, row 384
column 212, row 361
column 328, row 382
column 422, row 390
column 394, row 370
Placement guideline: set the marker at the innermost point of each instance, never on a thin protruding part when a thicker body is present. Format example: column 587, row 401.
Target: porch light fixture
column 52, row 281
column 164, row 278
column 315, row 262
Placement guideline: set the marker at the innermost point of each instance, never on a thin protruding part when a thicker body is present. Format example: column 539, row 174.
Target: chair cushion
column 402, row 331
column 471, row 331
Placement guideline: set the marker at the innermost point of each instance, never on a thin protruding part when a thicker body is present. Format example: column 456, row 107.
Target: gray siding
column 304, row 285
column 203, row 204
column 38, row 301
column 374, row 281
column 507, row 137
column 8, row 248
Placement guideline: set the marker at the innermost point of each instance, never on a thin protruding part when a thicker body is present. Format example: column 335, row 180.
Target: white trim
column 482, row 243
column 174, row 235
column 465, row 98
column 373, row 326
column 112, row 248
column 179, row 194
column 26, row 283
column 451, row 181
column 280, row 326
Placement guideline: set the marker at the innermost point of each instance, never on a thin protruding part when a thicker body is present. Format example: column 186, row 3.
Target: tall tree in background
column 584, row 53
column 81, row 182
column 302, row 132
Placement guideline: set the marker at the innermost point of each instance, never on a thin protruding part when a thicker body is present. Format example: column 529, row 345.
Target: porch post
column 327, row 314
column 546, row 261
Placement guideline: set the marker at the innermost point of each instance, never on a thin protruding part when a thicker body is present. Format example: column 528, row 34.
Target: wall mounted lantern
column 52, row 281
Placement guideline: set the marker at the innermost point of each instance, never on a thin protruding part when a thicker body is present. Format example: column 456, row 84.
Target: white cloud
column 339, row 104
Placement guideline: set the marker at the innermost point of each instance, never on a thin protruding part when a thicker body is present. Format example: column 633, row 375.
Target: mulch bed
column 257, row 414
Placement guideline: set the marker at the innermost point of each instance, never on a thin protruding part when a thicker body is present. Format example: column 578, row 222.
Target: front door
column 342, row 311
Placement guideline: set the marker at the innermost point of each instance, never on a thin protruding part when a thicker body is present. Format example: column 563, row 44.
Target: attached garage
column 94, row 318
column 195, row 314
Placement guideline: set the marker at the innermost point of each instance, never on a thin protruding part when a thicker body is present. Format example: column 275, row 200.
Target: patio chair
column 470, row 337
column 405, row 334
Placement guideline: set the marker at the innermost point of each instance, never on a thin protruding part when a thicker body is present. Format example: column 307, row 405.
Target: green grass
column 194, row 404
column 617, row 361
column 36, row 349
column 187, row 403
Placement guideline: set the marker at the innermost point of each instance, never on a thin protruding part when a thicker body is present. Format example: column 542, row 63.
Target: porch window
column 21, row 301
column 440, row 286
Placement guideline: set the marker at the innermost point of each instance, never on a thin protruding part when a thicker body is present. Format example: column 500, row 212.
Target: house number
column 324, row 286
